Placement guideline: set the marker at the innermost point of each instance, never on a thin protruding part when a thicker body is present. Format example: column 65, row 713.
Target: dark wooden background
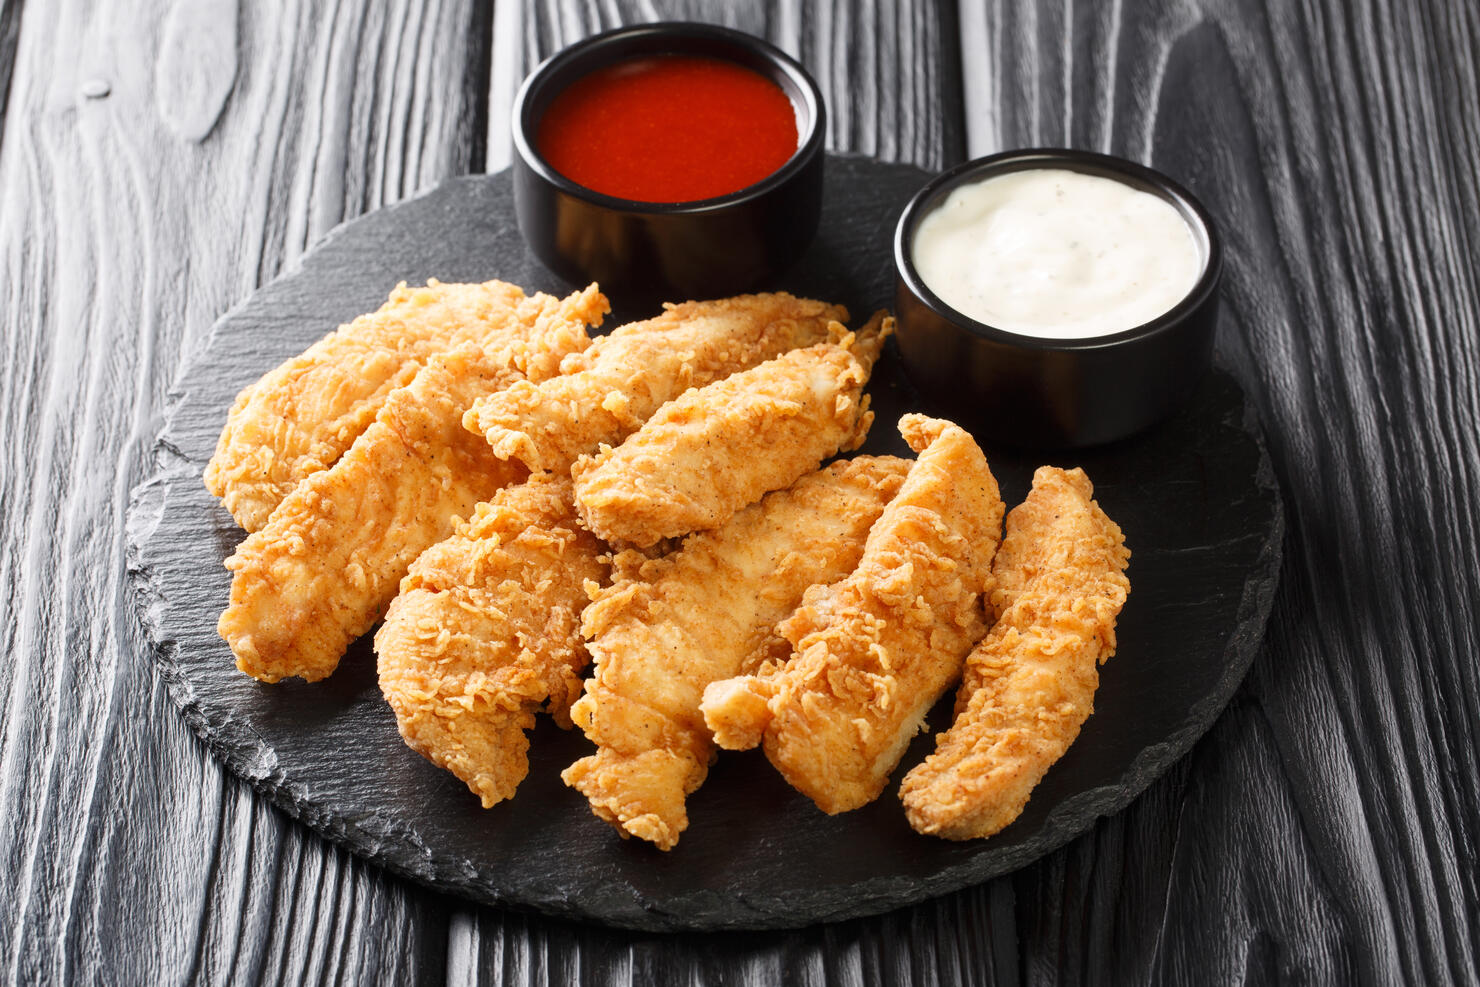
column 159, row 159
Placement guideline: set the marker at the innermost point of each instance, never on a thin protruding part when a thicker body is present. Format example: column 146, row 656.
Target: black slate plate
column 1196, row 498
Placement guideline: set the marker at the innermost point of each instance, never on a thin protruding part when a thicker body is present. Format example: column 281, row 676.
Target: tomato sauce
column 669, row 128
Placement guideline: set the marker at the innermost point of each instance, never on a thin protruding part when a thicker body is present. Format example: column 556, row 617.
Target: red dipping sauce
column 669, row 128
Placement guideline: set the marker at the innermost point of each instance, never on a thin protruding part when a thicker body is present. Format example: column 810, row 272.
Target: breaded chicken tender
column 873, row 652
column 486, row 628
column 607, row 392
column 302, row 416
column 715, row 449
column 668, row 627
column 326, row 565
column 1030, row 684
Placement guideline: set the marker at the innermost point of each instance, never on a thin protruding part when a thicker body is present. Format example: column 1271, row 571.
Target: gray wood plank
column 1326, row 829
column 10, row 27
column 160, row 160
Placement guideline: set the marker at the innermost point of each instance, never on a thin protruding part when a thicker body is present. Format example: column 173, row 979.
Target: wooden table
column 159, row 159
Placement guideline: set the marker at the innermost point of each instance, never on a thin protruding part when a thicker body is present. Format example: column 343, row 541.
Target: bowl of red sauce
column 669, row 160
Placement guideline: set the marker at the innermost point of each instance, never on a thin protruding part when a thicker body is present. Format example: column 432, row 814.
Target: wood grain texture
column 10, row 27
column 1326, row 830
column 196, row 67
column 128, row 223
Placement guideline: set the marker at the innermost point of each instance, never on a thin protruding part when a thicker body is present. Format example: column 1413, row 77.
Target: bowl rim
column 809, row 143
column 1086, row 162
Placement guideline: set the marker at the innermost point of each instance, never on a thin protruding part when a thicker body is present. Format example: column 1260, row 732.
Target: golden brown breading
column 606, row 393
column 302, row 416
column 715, row 449
column 873, row 652
column 326, row 565
column 668, row 627
column 487, row 628
column 1031, row 682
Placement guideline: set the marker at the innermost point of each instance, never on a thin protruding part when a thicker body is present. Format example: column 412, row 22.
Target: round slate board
column 1196, row 497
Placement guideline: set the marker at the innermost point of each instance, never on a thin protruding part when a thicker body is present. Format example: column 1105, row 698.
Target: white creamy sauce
column 1057, row 254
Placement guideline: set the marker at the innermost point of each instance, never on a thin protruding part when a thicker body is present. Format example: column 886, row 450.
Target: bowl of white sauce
column 1056, row 298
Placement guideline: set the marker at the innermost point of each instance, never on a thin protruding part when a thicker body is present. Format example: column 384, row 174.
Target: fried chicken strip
column 607, row 392
column 715, row 449
column 668, row 627
column 486, row 628
column 302, row 416
column 1030, row 684
column 326, row 565
column 873, row 652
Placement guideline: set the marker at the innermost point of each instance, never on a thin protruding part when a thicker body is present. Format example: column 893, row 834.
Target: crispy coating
column 302, row 416
column 607, row 392
column 326, row 565
column 668, row 627
column 1030, row 684
column 873, row 652
column 486, row 628
column 715, row 449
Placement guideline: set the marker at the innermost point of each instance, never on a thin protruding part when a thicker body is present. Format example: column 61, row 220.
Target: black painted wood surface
column 159, row 159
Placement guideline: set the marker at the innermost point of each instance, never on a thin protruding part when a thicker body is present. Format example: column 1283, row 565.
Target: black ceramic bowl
column 1055, row 393
column 701, row 249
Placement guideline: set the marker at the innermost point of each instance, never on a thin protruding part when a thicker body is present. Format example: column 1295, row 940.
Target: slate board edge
column 234, row 744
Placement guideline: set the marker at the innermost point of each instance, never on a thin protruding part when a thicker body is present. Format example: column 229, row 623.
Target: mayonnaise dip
column 1057, row 254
